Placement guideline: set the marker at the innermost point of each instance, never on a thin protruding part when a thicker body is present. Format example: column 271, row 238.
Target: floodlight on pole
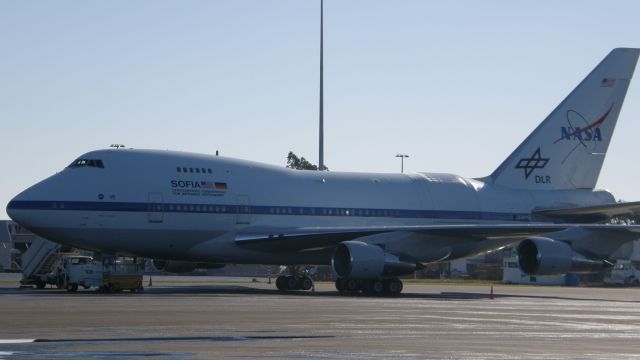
column 402, row 157
column 321, row 117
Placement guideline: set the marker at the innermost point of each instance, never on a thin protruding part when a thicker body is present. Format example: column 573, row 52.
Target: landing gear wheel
column 297, row 280
column 306, row 283
column 341, row 284
column 292, row 283
column 40, row 284
column 393, row 286
column 353, row 285
column 72, row 287
column 376, row 287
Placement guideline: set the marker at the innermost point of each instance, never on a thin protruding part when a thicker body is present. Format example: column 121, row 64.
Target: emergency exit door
column 155, row 208
column 244, row 210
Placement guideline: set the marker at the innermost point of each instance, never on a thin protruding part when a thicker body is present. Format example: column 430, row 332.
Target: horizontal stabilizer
column 597, row 213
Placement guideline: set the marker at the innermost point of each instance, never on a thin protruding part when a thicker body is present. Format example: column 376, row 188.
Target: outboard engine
column 545, row 256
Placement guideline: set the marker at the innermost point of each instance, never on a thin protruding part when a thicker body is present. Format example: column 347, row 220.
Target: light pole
column 321, row 142
column 402, row 156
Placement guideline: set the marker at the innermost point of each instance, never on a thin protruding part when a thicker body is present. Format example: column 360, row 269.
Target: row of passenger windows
column 331, row 212
column 193, row 170
column 87, row 163
column 276, row 210
column 188, row 208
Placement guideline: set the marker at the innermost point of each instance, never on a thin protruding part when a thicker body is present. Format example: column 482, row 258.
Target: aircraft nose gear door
column 244, row 210
column 155, row 208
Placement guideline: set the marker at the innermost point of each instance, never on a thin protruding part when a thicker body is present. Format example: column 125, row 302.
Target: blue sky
column 457, row 85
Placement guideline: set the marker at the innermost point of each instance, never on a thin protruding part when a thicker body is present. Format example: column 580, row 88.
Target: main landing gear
column 298, row 280
column 390, row 286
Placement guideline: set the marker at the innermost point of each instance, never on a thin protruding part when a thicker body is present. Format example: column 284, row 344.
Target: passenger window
column 179, row 169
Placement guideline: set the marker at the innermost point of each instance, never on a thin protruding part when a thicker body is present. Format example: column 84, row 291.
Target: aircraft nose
column 18, row 209
column 10, row 209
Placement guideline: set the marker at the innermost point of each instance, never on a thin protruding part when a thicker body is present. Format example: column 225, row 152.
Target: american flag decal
column 607, row 82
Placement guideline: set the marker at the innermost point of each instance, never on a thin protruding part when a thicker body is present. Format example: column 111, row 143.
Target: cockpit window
column 87, row 163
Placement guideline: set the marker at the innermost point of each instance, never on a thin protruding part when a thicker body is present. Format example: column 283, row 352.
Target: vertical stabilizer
column 567, row 149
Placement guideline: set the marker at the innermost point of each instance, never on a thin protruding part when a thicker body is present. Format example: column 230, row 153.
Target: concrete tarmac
column 196, row 317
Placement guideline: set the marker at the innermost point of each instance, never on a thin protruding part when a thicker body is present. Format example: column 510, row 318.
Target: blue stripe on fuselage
column 262, row 210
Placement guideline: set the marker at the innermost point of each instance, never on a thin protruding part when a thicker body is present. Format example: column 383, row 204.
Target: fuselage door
column 155, row 208
column 244, row 210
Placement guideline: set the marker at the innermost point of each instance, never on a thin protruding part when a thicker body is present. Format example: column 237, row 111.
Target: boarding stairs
column 39, row 260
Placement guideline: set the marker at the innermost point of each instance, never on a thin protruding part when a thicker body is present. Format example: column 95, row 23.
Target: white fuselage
column 156, row 204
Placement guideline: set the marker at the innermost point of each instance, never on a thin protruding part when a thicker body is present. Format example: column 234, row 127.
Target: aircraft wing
column 315, row 238
column 592, row 213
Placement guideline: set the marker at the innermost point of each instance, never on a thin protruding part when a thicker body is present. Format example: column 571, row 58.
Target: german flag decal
column 221, row 186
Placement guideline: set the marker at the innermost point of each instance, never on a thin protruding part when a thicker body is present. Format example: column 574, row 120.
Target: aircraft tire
column 306, row 283
column 341, row 284
column 280, row 283
column 291, row 283
column 394, row 286
column 353, row 285
column 376, row 287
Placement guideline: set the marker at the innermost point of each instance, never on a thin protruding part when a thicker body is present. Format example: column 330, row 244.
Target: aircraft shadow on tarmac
column 214, row 290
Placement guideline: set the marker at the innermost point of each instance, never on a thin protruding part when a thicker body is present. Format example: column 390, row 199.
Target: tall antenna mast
column 321, row 150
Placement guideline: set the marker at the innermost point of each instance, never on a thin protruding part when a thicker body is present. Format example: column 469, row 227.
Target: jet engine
column 359, row 260
column 177, row 267
column 544, row 256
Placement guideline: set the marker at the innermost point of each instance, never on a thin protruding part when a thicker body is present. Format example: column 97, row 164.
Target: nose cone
column 10, row 209
column 30, row 207
column 18, row 208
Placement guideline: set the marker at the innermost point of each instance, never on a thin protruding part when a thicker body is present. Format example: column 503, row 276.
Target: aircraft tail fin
column 567, row 149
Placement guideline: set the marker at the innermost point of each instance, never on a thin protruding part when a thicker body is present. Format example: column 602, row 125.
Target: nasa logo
column 579, row 134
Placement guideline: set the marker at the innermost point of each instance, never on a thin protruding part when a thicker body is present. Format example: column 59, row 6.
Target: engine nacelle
column 177, row 267
column 544, row 256
column 359, row 260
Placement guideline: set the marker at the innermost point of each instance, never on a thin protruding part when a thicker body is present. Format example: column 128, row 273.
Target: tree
column 300, row 163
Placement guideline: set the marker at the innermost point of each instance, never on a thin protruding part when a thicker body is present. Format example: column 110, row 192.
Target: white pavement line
column 16, row 341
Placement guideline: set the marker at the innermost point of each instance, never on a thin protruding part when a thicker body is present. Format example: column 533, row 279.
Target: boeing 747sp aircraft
column 184, row 209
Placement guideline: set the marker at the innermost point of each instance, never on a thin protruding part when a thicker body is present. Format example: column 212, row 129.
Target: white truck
column 78, row 270
column 624, row 273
